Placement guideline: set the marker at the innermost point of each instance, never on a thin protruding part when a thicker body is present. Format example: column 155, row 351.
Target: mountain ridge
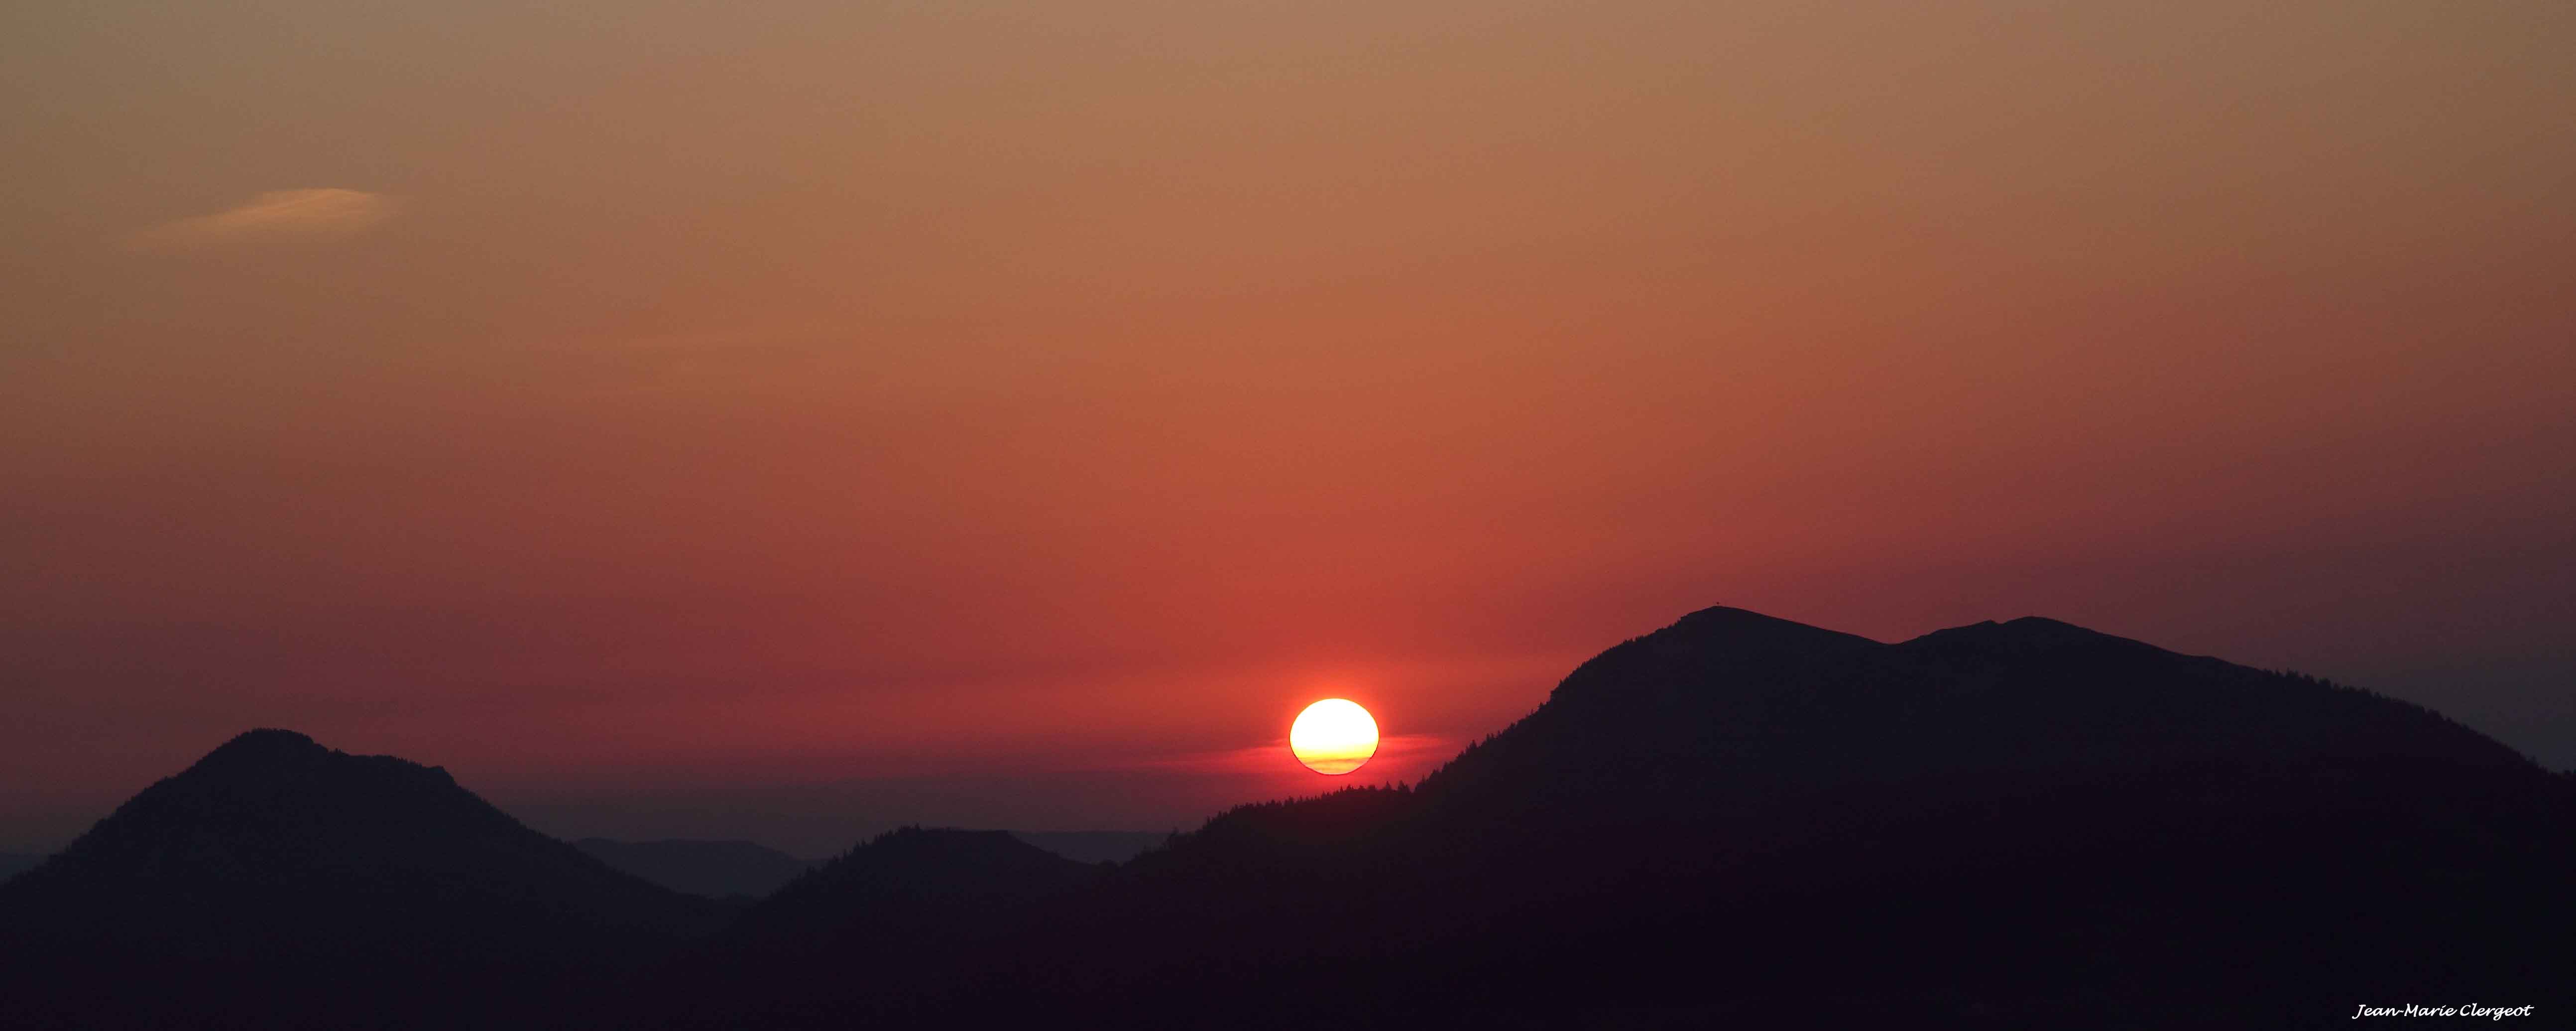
column 1999, row 786
column 712, row 869
column 2026, row 817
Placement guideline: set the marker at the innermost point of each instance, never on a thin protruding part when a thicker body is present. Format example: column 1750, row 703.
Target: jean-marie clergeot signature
column 2470, row 1010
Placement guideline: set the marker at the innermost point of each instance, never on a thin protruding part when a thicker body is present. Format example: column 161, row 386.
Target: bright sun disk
column 1333, row 736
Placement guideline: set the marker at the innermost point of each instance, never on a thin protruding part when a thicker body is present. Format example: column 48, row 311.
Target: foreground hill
column 277, row 882
column 714, row 869
column 2024, row 821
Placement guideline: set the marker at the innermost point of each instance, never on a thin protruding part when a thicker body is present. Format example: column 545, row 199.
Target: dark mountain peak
column 926, row 838
column 1663, row 713
column 1095, row 846
column 270, row 758
column 266, row 754
column 266, row 744
column 1714, row 649
column 1727, row 708
column 941, row 861
column 1735, row 636
column 272, row 785
column 353, row 878
column 920, row 880
column 938, row 860
column 2028, row 635
column 273, row 819
column 1726, row 625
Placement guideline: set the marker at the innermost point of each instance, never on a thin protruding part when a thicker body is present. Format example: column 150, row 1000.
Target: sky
column 791, row 420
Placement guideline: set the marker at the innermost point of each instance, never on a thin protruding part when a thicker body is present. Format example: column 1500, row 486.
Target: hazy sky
column 785, row 420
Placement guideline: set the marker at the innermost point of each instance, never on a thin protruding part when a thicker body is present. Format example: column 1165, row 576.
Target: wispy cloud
column 278, row 213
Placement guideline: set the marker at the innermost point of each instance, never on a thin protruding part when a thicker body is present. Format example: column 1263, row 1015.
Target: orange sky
column 828, row 415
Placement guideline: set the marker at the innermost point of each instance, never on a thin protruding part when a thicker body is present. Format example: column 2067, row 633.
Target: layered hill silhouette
column 715, row 869
column 2018, row 821
column 749, row 870
column 915, row 883
column 277, row 882
column 1094, row 846
column 1735, row 819
column 891, row 920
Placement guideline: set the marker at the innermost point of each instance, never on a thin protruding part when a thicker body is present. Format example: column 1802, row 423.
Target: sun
column 1333, row 736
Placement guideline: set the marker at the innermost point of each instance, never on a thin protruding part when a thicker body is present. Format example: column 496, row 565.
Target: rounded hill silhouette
column 281, row 878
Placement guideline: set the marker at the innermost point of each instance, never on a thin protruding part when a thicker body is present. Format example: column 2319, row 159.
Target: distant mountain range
column 14, row 863
column 715, row 869
column 722, row 869
column 1728, row 820
column 1094, row 846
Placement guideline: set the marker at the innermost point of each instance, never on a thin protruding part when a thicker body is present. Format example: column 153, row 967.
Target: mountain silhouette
column 934, row 874
column 2023, row 821
column 715, row 869
column 277, row 882
column 1732, row 820
column 14, row 863
column 744, row 869
column 1094, row 846
column 902, row 911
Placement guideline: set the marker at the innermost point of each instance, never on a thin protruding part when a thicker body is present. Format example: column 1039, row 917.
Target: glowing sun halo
column 1333, row 736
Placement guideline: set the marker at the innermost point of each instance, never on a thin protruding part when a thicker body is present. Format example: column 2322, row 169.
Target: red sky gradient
column 684, row 420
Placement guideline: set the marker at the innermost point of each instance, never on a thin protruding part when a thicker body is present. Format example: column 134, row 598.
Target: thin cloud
column 276, row 214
